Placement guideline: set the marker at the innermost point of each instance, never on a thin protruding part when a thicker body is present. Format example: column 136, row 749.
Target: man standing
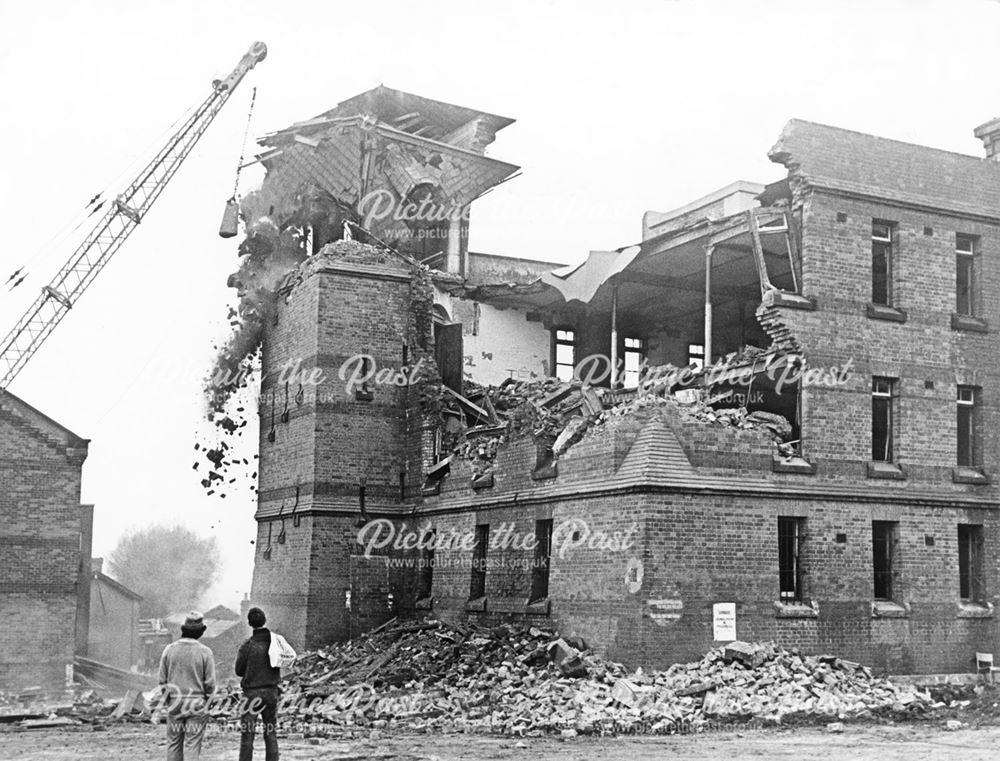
column 187, row 669
column 260, row 689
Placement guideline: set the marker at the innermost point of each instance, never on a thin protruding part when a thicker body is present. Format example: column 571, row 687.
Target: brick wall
column 925, row 353
column 40, row 537
column 355, row 301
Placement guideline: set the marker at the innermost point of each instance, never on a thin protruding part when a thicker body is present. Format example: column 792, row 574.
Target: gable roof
column 116, row 585
column 38, row 424
column 877, row 167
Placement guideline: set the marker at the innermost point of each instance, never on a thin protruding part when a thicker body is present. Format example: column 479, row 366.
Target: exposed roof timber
column 389, row 131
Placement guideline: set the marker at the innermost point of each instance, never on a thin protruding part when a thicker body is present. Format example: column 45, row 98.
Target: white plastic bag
column 280, row 652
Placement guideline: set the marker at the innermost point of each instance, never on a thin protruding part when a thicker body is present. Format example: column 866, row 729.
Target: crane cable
column 243, row 148
column 94, row 205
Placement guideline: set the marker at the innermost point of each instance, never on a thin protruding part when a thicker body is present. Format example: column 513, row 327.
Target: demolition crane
column 121, row 218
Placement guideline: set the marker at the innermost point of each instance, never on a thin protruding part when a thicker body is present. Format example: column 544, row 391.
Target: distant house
column 114, row 620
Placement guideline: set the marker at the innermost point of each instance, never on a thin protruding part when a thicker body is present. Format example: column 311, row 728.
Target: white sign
column 724, row 621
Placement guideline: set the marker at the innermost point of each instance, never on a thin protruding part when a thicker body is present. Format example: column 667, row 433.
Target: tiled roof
column 655, row 457
column 856, row 163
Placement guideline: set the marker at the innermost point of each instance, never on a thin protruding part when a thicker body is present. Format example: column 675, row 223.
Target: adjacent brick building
column 871, row 530
column 113, row 636
column 45, row 535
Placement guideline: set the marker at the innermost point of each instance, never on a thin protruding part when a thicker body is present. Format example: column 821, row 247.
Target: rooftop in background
column 882, row 169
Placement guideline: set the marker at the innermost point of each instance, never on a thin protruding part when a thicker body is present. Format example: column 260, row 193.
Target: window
column 883, row 551
column 776, row 247
column 696, row 355
column 789, row 566
column 964, row 259
column 882, row 234
column 882, row 422
column 970, row 566
column 966, row 426
column 540, row 568
column 635, row 354
column 427, row 565
column 565, row 354
column 477, row 588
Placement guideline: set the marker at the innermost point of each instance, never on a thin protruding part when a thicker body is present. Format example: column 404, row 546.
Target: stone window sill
column 801, row 609
column 969, row 323
column 887, row 470
column 793, row 465
column 968, row 609
column 967, row 475
column 484, row 481
column 477, row 604
column 545, row 472
column 778, row 298
column 883, row 312
column 890, row 609
column 538, row 607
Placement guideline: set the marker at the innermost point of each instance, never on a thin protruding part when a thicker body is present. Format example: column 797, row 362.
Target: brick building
column 45, row 535
column 113, row 636
column 849, row 308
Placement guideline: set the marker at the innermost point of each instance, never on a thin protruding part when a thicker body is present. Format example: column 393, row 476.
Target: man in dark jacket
column 260, row 689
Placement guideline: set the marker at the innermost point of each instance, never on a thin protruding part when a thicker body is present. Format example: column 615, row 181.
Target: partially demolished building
column 773, row 418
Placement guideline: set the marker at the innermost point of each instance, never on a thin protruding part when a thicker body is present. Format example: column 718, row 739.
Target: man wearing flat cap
column 187, row 673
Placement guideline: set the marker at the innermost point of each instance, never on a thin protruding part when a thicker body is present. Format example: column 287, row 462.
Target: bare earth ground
column 859, row 742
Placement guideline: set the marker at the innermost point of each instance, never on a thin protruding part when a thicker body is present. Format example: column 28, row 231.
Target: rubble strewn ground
column 404, row 691
column 530, row 682
column 858, row 743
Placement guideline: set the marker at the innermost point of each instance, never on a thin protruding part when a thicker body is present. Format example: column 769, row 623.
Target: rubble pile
column 34, row 709
column 559, row 413
column 430, row 675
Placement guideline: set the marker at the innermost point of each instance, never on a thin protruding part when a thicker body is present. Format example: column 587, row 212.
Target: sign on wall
column 724, row 621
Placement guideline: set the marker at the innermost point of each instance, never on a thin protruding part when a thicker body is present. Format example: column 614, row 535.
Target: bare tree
column 170, row 566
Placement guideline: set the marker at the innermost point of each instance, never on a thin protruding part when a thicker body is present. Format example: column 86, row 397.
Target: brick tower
column 332, row 456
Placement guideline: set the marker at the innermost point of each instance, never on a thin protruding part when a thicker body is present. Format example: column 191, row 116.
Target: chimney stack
column 989, row 133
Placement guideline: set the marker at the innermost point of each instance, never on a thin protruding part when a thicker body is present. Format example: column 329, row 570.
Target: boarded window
column 883, row 557
column 882, row 235
column 540, row 567
column 882, row 422
column 970, row 564
column 789, row 566
column 477, row 587
column 964, row 270
column 966, row 426
column 448, row 354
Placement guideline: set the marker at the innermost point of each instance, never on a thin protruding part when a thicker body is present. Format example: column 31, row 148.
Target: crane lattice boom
column 118, row 222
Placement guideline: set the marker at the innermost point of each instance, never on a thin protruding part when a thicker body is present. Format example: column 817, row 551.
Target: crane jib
column 107, row 236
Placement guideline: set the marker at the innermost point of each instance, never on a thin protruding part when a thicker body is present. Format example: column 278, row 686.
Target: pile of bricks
column 560, row 414
column 430, row 675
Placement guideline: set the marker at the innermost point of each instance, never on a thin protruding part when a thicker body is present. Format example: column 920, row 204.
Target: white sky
column 620, row 108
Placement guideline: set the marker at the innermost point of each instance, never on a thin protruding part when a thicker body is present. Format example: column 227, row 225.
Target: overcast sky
column 620, row 107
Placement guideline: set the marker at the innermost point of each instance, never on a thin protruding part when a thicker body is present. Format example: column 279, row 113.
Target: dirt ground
column 910, row 742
